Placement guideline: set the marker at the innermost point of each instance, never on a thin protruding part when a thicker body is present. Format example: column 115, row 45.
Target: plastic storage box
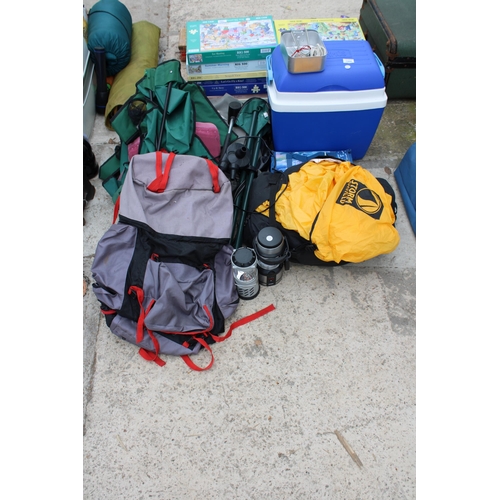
column 337, row 109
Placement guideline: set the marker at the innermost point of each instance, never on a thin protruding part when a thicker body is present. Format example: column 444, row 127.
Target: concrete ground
column 314, row 400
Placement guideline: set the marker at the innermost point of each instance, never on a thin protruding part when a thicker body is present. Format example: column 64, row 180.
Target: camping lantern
column 272, row 253
column 245, row 274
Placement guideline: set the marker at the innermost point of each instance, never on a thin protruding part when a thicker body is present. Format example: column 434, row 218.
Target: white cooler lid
column 324, row 102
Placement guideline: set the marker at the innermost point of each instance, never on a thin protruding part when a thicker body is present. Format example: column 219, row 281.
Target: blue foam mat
column 406, row 177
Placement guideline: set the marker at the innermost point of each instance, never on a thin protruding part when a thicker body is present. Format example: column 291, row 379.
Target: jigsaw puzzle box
column 242, row 86
column 230, row 67
column 199, row 77
column 344, row 28
column 230, row 40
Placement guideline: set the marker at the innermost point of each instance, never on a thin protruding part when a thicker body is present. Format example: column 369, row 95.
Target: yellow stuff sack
column 341, row 210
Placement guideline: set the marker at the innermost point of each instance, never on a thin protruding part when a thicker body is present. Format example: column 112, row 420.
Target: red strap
column 159, row 184
column 149, row 355
column 116, row 209
column 214, row 172
column 190, row 363
column 236, row 324
column 244, row 321
column 140, row 322
column 152, row 356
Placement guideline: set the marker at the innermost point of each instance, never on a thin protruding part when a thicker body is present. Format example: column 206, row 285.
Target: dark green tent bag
column 170, row 127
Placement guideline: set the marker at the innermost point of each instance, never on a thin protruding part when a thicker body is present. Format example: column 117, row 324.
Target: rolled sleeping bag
column 110, row 27
column 145, row 41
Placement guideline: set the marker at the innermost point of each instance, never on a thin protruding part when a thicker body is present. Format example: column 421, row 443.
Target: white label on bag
column 348, row 61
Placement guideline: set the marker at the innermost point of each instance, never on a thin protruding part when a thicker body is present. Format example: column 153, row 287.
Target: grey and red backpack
column 162, row 271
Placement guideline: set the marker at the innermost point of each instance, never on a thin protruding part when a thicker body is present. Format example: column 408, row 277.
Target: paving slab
column 314, row 400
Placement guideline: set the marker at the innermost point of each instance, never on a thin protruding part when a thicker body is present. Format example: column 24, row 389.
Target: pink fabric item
column 209, row 135
column 133, row 148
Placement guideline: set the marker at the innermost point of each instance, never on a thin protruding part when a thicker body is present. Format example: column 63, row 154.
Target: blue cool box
column 338, row 108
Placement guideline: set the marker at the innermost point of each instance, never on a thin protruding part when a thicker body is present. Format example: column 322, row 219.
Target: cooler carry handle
column 269, row 70
column 380, row 65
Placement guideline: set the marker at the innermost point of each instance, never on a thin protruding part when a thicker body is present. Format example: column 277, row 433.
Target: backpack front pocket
column 180, row 297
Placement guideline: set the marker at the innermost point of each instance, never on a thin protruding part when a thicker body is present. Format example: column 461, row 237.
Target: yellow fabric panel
column 343, row 232
column 305, row 195
column 351, row 225
column 144, row 55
